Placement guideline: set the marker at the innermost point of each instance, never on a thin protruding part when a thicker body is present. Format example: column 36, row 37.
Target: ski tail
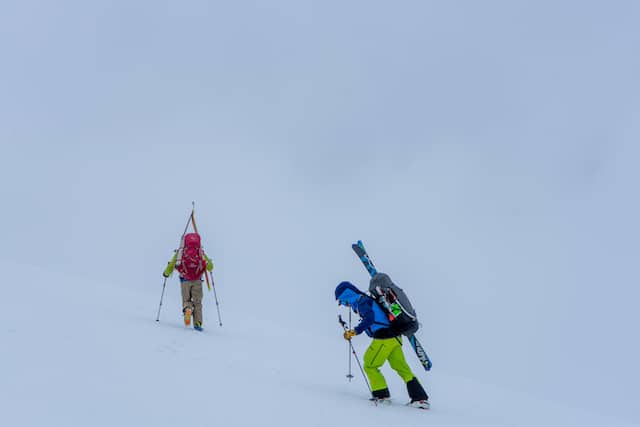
column 359, row 249
column 422, row 355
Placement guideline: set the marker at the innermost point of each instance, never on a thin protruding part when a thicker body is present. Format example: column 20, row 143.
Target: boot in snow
column 381, row 401
column 420, row 404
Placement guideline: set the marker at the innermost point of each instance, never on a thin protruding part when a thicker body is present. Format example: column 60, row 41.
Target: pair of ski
column 361, row 252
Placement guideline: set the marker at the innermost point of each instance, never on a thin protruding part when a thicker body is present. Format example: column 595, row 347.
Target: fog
column 485, row 153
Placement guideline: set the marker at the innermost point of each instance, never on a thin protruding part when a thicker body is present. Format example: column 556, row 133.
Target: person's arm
column 209, row 263
column 366, row 313
column 170, row 266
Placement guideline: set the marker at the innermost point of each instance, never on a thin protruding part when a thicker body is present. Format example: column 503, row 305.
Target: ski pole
column 349, row 375
column 344, row 326
column 161, row 297
column 215, row 295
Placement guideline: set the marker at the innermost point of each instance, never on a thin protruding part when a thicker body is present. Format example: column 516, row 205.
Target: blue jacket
column 374, row 320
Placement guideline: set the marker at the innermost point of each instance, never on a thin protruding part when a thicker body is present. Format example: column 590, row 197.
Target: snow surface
column 96, row 356
column 486, row 153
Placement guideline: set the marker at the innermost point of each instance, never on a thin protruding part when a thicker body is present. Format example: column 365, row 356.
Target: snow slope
column 77, row 351
column 486, row 153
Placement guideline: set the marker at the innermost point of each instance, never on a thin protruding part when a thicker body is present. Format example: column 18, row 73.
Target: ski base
column 422, row 355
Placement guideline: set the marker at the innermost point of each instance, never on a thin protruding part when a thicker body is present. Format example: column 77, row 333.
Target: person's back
column 395, row 303
column 190, row 261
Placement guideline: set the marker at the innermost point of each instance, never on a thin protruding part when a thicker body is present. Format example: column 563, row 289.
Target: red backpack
column 192, row 263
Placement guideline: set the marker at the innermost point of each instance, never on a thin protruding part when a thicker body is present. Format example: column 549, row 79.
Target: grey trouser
column 192, row 298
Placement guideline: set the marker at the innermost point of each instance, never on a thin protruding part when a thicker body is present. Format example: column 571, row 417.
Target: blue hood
column 346, row 292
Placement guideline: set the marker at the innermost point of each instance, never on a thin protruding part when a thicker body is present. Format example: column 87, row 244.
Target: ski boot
column 380, row 401
column 420, row 404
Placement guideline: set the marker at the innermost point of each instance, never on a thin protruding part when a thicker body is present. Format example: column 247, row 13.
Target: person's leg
column 196, row 298
column 416, row 391
column 187, row 305
column 374, row 358
column 399, row 364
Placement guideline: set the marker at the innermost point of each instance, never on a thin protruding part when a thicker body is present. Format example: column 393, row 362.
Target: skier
column 191, row 262
column 386, row 346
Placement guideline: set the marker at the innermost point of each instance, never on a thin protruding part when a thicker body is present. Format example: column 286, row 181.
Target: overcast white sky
column 487, row 148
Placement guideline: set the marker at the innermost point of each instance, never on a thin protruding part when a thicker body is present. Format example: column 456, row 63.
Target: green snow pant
column 379, row 352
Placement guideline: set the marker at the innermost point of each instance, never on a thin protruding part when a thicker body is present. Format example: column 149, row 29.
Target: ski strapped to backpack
column 195, row 228
column 207, row 273
column 391, row 297
column 395, row 302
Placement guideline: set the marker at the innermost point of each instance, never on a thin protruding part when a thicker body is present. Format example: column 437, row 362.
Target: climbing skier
column 191, row 262
column 386, row 346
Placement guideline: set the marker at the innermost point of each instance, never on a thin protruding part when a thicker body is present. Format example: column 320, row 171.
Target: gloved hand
column 348, row 334
column 165, row 275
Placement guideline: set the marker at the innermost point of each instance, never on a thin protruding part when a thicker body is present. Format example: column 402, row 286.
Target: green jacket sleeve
column 209, row 263
column 170, row 266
